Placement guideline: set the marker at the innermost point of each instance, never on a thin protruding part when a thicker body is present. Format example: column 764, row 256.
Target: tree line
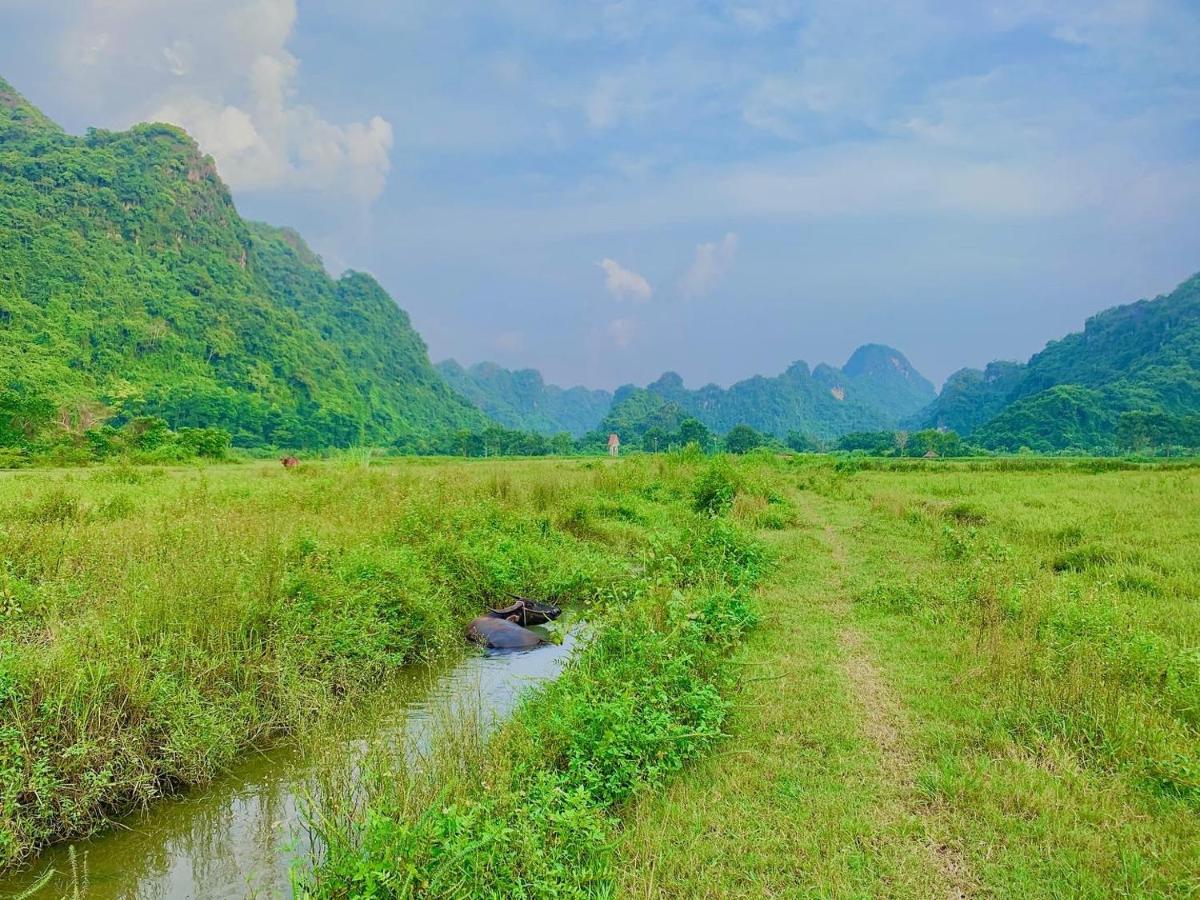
column 33, row 429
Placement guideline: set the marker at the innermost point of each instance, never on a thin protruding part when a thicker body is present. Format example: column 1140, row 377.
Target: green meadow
column 970, row 680
column 801, row 676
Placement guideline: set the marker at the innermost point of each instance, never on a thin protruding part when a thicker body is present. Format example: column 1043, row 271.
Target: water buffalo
column 527, row 612
column 503, row 634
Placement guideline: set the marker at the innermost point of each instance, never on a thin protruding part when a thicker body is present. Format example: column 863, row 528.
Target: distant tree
column 22, row 417
column 943, row 443
column 210, row 443
column 743, row 439
column 803, row 443
column 693, row 431
column 147, row 432
column 876, row 443
column 1140, row 431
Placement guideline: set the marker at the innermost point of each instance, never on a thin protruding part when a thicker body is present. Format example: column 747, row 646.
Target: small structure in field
column 290, row 462
column 931, row 454
column 614, row 444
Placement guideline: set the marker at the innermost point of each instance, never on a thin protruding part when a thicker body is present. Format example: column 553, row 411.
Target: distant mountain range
column 875, row 389
column 1131, row 378
column 130, row 286
column 1132, row 367
column 522, row 400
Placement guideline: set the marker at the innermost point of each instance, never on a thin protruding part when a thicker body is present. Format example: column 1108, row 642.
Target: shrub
column 715, row 488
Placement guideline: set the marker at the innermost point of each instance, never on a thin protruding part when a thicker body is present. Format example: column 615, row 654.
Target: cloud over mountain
column 221, row 69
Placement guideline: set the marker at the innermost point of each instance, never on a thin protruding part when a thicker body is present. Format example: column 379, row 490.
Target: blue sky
column 605, row 190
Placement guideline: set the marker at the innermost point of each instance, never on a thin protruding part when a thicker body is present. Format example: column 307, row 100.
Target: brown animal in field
column 290, row 462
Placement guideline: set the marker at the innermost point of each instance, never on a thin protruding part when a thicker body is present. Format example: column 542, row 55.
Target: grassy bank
column 156, row 623
column 976, row 681
column 534, row 812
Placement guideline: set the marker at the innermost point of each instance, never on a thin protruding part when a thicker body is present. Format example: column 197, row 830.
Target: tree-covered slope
column 129, row 285
column 874, row 390
column 636, row 411
column 1141, row 358
column 1143, row 352
column 888, row 379
column 521, row 399
column 971, row 397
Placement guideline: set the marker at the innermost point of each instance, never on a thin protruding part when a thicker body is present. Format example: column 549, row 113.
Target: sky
column 608, row 190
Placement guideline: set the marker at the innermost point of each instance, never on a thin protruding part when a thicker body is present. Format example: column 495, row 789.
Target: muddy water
column 240, row 836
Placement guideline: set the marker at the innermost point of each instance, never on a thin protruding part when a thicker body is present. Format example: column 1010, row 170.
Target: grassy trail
column 813, row 793
column 941, row 701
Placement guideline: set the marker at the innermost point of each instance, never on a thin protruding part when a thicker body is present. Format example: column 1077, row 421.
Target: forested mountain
column 971, row 397
column 522, row 400
column 875, row 389
column 130, row 286
column 1131, row 377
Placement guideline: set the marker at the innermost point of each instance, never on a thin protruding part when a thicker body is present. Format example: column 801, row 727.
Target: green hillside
column 971, row 397
column 875, row 389
column 522, row 400
column 130, row 286
column 1130, row 378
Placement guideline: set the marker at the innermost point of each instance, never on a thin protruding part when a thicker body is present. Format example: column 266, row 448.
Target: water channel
column 241, row 835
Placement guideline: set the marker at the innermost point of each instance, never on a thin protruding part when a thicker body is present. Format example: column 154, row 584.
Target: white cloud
column 221, row 70
column 712, row 260
column 622, row 331
column 625, row 284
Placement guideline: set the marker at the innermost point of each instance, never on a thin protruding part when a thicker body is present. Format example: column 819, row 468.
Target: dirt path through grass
column 811, row 796
column 883, row 723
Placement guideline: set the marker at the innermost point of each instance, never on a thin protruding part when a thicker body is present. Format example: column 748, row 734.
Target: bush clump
column 715, row 488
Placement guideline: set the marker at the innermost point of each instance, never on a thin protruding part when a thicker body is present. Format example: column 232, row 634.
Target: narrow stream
column 240, row 836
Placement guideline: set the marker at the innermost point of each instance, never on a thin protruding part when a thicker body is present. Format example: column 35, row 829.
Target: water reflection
column 240, row 836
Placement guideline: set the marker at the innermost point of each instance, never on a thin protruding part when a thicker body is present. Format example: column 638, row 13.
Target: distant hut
column 931, row 454
column 614, row 444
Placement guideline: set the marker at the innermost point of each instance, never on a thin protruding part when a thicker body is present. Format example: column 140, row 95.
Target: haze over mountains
column 875, row 389
column 130, row 286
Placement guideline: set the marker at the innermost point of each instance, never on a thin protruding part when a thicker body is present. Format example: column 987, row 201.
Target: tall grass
column 154, row 624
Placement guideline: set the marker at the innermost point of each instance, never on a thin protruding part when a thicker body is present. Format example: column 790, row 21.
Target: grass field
column 966, row 679
column 966, row 683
